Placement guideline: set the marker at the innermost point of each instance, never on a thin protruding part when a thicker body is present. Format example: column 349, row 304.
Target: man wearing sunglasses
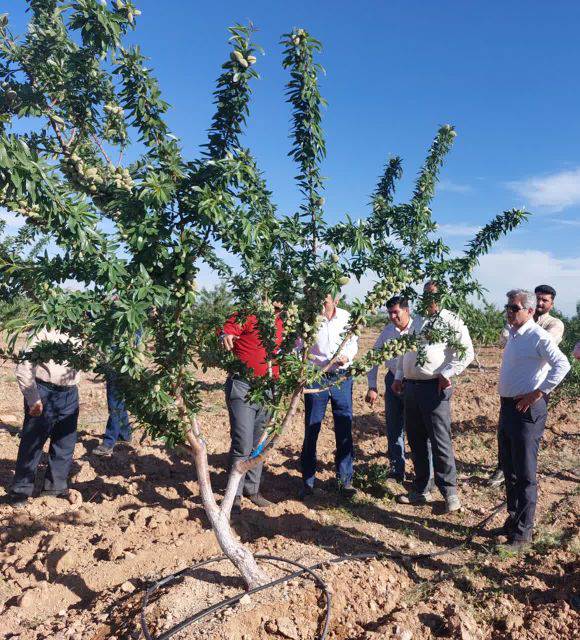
column 532, row 367
column 545, row 295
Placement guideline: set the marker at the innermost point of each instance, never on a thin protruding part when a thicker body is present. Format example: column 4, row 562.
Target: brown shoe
column 259, row 500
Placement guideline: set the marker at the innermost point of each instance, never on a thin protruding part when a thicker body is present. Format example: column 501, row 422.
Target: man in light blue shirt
column 532, row 367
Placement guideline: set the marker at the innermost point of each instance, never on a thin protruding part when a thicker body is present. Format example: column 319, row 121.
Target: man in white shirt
column 427, row 393
column 532, row 367
column 400, row 321
column 545, row 295
column 51, row 410
column 329, row 338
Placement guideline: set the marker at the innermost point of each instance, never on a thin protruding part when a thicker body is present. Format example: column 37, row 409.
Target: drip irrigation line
column 302, row 569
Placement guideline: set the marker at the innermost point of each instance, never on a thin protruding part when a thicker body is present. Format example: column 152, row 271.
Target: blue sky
column 502, row 73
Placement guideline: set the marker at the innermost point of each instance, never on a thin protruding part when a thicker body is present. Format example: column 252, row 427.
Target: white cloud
column 567, row 223
column 505, row 270
column 457, row 229
column 555, row 191
column 454, row 187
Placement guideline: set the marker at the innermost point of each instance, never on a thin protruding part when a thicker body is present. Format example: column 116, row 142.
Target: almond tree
column 134, row 235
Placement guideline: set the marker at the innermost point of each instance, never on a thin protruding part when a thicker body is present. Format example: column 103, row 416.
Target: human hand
column 341, row 359
column 397, row 387
column 444, row 383
column 371, row 397
column 36, row 409
column 228, row 341
column 527, row 400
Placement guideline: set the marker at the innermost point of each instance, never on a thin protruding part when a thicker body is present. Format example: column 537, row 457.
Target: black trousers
column 519, row 438
column 428, row 425
column 58, row 422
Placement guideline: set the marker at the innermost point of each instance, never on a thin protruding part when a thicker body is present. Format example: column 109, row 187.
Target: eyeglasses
column 514, row 308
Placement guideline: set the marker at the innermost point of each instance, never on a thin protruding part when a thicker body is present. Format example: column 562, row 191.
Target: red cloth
column 248, row 347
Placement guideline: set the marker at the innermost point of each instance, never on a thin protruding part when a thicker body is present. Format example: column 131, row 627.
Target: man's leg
column 526, row 442
column 341, row 403
column 254, row 475
column 34, row 434
column 242, row 418
column 418, row 438
column 395, row 419
column 436, row 411
column 63, row 438
column 118, row 422
column 508, row 421
column 314, row 410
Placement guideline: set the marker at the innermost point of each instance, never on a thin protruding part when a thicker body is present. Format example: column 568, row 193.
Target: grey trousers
column 247, row 423
column 428, row 418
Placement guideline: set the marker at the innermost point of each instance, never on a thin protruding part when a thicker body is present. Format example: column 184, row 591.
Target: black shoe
column 497, row 479
column 515, row 546
column 17, row 500
column 54, row 493
column 348, row 491
column 259, row 500
column 237, row 506
column 506, row 529
column 306, row 491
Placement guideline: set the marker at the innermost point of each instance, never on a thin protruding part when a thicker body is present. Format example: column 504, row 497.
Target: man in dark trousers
column 51, row 410
column 247, row 420
column 400, row 321
column 428, row 389
column 532, row 367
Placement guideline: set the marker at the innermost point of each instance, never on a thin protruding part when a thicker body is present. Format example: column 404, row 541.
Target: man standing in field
column 51, row 410
column 247, row 420
column 427, row 392
column 532, row 367
column 339, row 392
column 400, row 321
column 545, row 295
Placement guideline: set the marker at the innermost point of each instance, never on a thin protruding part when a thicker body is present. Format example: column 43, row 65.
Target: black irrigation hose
column 302, row 569
column 392, row 555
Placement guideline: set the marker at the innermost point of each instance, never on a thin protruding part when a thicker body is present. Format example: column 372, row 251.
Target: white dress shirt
column 329, row 337
column 390, row 332
column 440, row 358
column 531, row 361
column 554, row 326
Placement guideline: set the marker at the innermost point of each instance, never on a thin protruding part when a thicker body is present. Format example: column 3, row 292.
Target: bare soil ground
column 76, row 568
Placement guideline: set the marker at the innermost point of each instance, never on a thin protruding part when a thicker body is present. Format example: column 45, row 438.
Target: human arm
column 455, row 364
column 230, row 332
column 26, row 378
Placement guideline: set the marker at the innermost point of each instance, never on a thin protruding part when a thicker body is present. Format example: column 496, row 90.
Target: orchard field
column 76, row 569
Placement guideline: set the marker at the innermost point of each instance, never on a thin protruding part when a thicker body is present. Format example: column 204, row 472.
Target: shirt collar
column 524, row 328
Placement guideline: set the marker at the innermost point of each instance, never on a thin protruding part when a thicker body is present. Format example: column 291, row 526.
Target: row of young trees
column 83, row 98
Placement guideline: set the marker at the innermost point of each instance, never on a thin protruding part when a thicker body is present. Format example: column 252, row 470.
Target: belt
column 430, row 381
column 54, row 387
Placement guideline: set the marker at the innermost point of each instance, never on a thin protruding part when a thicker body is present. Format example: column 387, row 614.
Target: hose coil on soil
column 302, row 569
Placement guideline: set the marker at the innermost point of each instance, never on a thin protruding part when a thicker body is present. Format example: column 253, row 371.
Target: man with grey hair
column 532, row 367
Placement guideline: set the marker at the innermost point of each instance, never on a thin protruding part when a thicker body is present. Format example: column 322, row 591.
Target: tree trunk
column 219, row 517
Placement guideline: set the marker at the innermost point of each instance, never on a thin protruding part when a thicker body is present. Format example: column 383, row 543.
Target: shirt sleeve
column 26, row 377
column 350, row 349
column 232, row 327
column 556, row 330
column 503, row 336
column 373, row 373
column 559, row 365
column 456, row 365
